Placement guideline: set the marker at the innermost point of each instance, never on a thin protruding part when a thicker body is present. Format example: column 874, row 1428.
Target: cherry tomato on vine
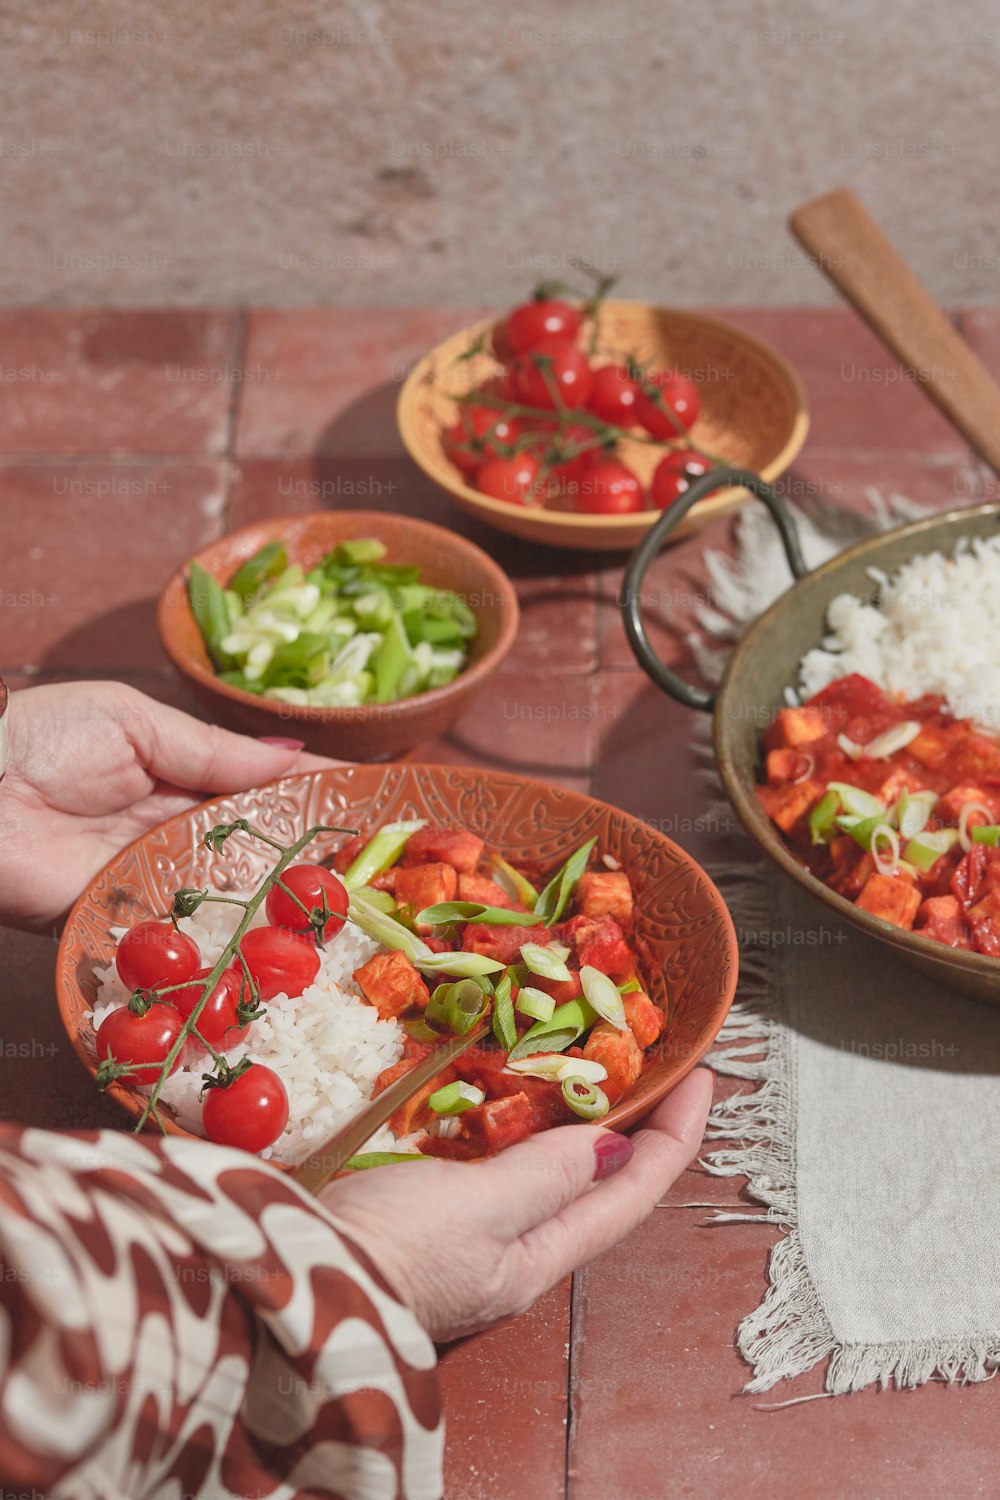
column 678, row 393
column 609, row 488
column 281, row 962
column 140, row 1040
column 249, row 1113
column 676, row 473
column 554, row 373
column 153, row 953
column 613, row 396
column 218, row 1022
column 477, row 435
column 510, row 479
column 571, row 469
column 532, row 322
column 309, row 883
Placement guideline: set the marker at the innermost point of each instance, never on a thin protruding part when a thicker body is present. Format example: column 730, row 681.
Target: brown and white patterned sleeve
column 177, row 1319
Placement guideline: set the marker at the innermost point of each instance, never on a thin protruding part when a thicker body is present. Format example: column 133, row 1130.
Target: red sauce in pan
column 956, row 900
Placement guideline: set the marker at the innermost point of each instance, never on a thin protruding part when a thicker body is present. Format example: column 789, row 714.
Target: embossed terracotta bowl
column 375, row 731
column 753, row 414
column 684, row 932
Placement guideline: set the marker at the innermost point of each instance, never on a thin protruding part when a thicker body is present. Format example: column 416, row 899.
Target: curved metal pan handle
column 630, row 599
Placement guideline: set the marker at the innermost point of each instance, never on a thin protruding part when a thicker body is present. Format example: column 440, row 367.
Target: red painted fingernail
column 612, row 1152
column 281, row 744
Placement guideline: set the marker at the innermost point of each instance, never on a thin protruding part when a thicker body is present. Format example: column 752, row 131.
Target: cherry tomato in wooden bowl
column 530, row 324
column 747, row 409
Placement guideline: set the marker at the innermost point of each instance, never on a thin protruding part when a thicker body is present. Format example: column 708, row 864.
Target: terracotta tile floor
column 127, row 439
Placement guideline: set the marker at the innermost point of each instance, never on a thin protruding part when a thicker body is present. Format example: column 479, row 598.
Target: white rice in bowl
column 328, row 1045
column 933, row 628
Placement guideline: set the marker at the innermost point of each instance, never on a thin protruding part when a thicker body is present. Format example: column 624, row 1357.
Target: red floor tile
column 859, row 397
column 535, row 723
column 42, row 1081
column 506, row 1405
column 657, row 1386
column 329, row 377
column 299, row 483
column 676, row 585
column 645, row 759
column 557, row 589
column 116, row 381
column 85, row 549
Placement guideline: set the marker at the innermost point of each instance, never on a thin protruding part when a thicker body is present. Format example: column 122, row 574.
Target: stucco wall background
column 393, row 151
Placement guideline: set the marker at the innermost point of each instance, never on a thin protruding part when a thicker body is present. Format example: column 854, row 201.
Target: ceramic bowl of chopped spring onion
column 361, row 633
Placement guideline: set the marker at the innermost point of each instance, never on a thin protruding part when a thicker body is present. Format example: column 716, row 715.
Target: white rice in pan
column 328, row 1045
column 935, row 628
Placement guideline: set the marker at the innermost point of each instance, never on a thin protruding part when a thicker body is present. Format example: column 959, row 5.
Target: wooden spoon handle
column 851, row 248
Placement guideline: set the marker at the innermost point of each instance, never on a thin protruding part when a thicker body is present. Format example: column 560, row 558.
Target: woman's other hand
column 465, row 1245
column 90, row 767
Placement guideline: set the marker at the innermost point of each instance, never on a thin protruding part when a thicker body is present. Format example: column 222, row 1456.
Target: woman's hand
column 91, row 766
column 467, row 1244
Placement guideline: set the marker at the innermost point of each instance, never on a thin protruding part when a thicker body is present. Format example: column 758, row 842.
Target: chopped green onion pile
column 351, row 631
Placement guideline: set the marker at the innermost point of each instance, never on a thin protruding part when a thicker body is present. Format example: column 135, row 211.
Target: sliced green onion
column 555, row 1067
column 855, row 801
column 535, row 1003
column 887, row 863
column 629, row 987
column 457, row 1006
column 504, row 1027
column 823, row 818
column 964, row 831
column 924, row 850
column 381, row 900
column 445, row 912
column 392, row 661
column 209, row 607
column 556, row 1040
column 271, row 560
column 556, row 896
column 362, row 549
column 602, row 994
column 896, row 738
column 543, row 961
column 381, row 852
column 456, row 1098
column 513, row 882
column 369, row 1159
column 587, row 1100
column 861, row 829
column 986, row 833
column 461, row 965
column 386, row 930
column 417, row 1028
column 912, row 812
column 566, row 1023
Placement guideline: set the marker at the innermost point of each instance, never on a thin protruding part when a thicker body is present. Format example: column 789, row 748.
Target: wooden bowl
column 375, row 731
column 753, row 414
column 766, row 661
column 682, row 923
